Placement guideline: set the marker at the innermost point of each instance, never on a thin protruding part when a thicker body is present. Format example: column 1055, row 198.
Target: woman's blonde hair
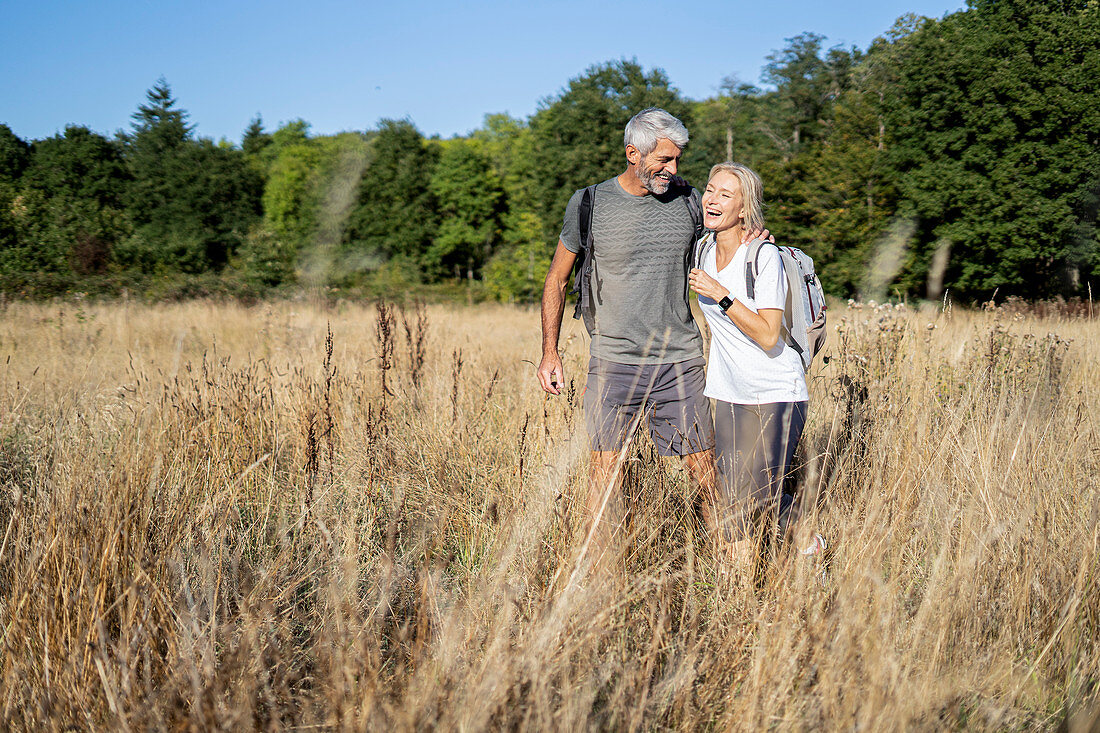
column 752, row 192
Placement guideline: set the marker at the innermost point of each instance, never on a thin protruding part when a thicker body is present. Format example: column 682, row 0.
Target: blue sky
column 345, row 65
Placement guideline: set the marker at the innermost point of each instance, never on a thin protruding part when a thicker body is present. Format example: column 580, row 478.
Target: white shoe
column 817, row 546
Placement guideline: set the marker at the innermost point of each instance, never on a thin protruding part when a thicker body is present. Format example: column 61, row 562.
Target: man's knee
column 701, row 467
column 603, row 463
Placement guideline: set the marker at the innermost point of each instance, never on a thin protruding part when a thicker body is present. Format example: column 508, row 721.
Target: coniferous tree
column 255, row 139
column 191, row 201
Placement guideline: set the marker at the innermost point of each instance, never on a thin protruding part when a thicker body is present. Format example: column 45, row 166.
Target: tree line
column 961, row 153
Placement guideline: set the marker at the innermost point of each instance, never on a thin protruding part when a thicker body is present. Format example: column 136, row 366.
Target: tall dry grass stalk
column 218, row 517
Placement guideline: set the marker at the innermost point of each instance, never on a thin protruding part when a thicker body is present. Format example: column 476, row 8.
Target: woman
column 756, row 379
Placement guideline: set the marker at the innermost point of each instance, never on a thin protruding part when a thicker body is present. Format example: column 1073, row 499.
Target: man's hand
column 551, row 374
column 761, row 233
column 706, row 285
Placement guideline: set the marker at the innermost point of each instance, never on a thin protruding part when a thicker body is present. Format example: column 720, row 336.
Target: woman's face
column 723, row 207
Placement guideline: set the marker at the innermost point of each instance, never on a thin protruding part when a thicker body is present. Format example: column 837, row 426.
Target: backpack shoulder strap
column 682, row 188
column 752, row 265
column 584, row 212
column 702, row 246
column 583, row 266
column 694, row 205
column 791, row 322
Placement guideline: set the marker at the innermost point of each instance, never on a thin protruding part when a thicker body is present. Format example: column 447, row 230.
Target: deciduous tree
column 470, row 201
column 396, row 214
column 996, row 135
column 577, row 136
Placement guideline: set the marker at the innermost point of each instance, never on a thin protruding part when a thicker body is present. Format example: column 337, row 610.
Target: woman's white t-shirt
column 739, row 370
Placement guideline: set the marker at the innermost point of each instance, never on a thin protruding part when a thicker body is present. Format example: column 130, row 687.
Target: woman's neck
column 729, row 240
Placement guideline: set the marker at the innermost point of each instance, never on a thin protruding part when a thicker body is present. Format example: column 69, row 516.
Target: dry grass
column 295, row 516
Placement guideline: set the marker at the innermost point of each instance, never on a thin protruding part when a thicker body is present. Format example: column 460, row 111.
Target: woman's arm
column 762, row 327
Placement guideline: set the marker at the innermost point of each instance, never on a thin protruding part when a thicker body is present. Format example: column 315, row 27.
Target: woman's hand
column 706, row 285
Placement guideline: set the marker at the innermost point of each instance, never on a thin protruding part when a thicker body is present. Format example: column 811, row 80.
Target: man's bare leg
column 735, row 555
column 704, row 475
column 605, row 513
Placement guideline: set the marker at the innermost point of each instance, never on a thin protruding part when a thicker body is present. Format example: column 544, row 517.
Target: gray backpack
column 804, row 312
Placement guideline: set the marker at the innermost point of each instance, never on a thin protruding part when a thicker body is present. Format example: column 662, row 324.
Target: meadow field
column 346, row 516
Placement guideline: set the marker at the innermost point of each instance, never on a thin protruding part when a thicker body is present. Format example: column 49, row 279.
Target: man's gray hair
column 650, row 125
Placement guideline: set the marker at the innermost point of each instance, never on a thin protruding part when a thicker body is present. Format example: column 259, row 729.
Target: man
column 646, row 351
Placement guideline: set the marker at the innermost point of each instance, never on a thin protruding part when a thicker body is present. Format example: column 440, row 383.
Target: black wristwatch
column 725, row 304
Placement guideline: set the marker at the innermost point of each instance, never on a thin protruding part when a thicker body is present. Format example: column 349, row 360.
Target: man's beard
column 651, row 182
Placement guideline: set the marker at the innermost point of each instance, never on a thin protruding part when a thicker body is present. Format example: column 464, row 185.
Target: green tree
column 506, row 142
column 11, row 208
column 310, row 188
column 396, row 214
column 15, row 154
column 79, row 164
column 470, row 202
column 191, row 201
column 518, row 263
column 256, row 145
column 805, row 84
column 835, row 195
column 290, row 196
column 516, row 270
column 577, row 136
column 820, row 164
column 157, row 125
column 73, row 203
column 994, row 128
column 255, row 140
column 729, row 127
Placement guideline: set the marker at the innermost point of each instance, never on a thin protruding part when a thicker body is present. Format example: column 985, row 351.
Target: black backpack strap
column 585, row 214
column 583, row 268
column 681, row 188
column 695, row 208
column 694, row 205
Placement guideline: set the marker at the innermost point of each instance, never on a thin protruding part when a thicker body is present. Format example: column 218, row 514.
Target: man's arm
column 551, row 375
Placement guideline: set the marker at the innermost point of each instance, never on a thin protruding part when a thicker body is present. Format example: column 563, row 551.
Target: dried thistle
column 416, row 336
column 456, row 372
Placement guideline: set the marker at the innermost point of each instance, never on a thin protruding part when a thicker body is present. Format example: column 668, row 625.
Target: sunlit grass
column 216, row 517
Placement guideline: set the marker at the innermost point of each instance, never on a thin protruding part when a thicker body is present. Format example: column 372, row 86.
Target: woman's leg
column 755, row 446
column 735, row 545
column 790, row 420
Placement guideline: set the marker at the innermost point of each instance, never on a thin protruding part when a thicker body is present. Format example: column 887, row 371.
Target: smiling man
column 634, row 236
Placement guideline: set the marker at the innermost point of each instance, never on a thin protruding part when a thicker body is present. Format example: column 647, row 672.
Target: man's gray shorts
column 670, row 397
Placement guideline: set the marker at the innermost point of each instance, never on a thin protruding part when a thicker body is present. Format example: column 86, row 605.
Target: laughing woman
column 757, row 381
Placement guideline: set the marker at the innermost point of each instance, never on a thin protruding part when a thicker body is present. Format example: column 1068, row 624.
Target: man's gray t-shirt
column 641, row 247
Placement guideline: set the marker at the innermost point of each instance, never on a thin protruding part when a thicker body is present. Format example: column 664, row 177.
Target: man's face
column 655, row 171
